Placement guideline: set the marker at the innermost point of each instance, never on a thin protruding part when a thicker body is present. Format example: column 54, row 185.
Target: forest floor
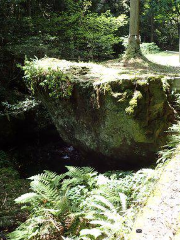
column 11, row 187
column 165, row 58
column 162, row 63
column 152, row 65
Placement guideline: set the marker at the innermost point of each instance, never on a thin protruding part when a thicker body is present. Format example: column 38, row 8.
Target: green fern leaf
column 93, row 232
column 26, row 198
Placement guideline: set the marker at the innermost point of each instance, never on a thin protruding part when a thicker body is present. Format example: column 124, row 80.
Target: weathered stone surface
column 111, row 118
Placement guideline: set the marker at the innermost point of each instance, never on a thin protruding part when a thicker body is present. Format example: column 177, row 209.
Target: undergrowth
column 56, row 82
column 82, row 204
column 11, row 186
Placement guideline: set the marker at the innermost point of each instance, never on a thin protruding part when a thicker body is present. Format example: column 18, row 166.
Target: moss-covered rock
column 106, row 116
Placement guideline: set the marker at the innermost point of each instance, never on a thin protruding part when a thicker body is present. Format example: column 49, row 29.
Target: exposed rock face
column 115, row 120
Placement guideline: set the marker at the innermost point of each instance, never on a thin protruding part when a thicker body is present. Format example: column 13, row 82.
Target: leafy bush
column 145, row 47
column 149, row 48
column 27, row 104
column 40, row 45
column 81, row 204
column 98, row 35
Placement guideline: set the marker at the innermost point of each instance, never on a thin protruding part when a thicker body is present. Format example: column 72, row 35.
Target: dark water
column 46, row 151
column 52, row 154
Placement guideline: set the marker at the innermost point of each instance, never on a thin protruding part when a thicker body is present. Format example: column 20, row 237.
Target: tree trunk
column 133, row 48
column 179, row 39
column 29, row 8
column 152, row 26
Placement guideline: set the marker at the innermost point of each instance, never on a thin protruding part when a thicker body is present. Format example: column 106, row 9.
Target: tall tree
column 133, row 48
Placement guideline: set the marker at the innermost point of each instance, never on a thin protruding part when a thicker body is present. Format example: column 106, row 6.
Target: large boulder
column 111, row 118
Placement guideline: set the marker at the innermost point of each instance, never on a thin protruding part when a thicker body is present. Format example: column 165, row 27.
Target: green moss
column 133, row 49
column 133, row 102
column 105, row 114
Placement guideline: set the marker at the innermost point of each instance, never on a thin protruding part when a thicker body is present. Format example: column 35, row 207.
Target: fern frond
column 27, row 198
column 76, row 176
column 98, row 206
column 93, row 232
column 45, row 190
column 123, row 200
column 77, row 171
column 48, row 178
column 105, row 202
column 105, row 224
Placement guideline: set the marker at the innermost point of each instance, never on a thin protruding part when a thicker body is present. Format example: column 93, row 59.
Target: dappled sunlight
column 146, row 66
column 89, row 108
column 165, row 58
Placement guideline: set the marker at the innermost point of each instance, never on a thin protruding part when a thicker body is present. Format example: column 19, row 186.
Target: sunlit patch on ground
column 165, row 58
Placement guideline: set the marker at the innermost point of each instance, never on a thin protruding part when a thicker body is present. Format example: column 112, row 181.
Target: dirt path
column 160, row 218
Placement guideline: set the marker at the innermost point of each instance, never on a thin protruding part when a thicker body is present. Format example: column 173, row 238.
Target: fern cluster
column 81, row 204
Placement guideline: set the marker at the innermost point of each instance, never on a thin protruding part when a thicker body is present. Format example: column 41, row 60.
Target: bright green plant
column 81, row 204
column 147, row 48
column 104, row 219
column 51, row 210
column 58, row 84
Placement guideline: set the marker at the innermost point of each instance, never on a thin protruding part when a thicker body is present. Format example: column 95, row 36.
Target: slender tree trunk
column 152, row 27
column 179, row 39
column 29, row 7
column 133, row 48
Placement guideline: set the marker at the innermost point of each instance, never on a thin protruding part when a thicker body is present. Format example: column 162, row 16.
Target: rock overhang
column 107, row 115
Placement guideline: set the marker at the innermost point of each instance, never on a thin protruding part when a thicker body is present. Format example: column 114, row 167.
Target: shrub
column 145, row 47
column 149, row 48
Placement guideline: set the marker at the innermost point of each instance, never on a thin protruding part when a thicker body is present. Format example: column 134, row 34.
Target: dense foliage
column 82, row 204
column 160, row 22
column 82, row 29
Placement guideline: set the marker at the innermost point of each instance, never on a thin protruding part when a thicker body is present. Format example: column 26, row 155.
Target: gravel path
column 160, row 218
